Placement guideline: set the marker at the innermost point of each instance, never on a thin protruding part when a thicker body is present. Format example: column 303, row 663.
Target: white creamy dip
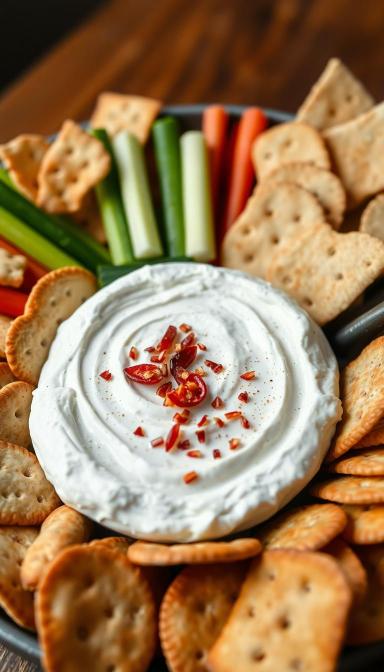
column 82, row 425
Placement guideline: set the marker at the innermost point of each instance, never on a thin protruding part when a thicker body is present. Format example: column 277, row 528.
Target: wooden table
column 265, row 52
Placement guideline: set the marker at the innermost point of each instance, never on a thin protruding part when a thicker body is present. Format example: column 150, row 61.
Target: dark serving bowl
column 348, row 334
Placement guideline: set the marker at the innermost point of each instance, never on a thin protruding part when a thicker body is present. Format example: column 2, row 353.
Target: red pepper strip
column 12, row 302
column 172, row 438
column 248, row 375
column 145, row 374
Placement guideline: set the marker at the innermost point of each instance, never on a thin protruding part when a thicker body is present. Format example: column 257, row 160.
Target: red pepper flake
column 219, row 422
column 234, row 443
column 244, row 397
column 202, row 347
column 190, row 477
column 217, row 403
column 133, row 353
column 139, row 431
column 184, row 445
column 181, row 418
column 163, row 389
column 185, row 328
column 233, row 415
column 156, row 443
column 248, row 375
column 194, row 453
column 216, row 368
column 201, row 436
column 106, row 375
column 158, row 359
column 245, row 422
column 172, row 438
column 200, row 371
column 204, row 421
column 151, row 348
column 188, row 340
column 166, row 341
column 216, row 454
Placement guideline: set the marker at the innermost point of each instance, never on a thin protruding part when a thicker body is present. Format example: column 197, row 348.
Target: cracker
column 145, row 553
column 367, row 620
column 273, row 215
column 336, row 97
column 365, row 524
column 372, row 219
column 15, row 407
column 367, row 463
column 356, row 149
column 351, row 490
column 287, row 143
column 22, row 157
column 5, row 323
column 62, row 528
column 194, row 611
column 12, row 267
column 54, row 298
column 26, row 497
column 89, row 218
column 6, row 375
column 350, row 564
column 290, row 615
column 117, row 112
column 95, row 611
column 74, row 163
column 120, row 544
column 305, row 528
column 17, row 602
column 374, row 438
column 362, row 396
column 326, row 271
column 323, row 184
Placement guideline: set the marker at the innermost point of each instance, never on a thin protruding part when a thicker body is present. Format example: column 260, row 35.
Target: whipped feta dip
column 82, row 426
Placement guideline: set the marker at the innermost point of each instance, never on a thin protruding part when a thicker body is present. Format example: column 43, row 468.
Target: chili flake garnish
column 188, row 340
column 185, row 328
column 190, row 392
column 216, row 453
column 158, row 359
column 216, row 368
column 248, row 375
column 139, row 431
column 233, row 415
column 217, row 403
column 201, row 436
column 180, row 362
column 106, row 375
column 163, row 389
column 181, row 418
column 219, row 422
column 244, row 397
column 167, row 340
column 172, row 437
column 151, row 348
column 204, row 421
column 245, row 422
column 202, row 347
column 234, row 443
column 184, row 445
column 156, row 443
column 190, row 477
column 146, row 374
column 194, row 453
column 133, row 353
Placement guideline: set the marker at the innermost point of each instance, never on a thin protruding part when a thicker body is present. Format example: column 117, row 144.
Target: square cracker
column 326, row 271
column 357, row 151
column 74, row 163
column 22, row 157
column 12, row 267
column 335, row 98
column 117, row 112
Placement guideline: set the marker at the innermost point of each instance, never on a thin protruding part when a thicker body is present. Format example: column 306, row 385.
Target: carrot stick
column 33, row 272
column 215, row 126
column 252, row 123
column 12, row 302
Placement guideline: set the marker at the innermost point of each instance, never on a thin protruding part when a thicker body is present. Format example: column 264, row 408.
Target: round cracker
column 366, row 623
column 372, row 219
column 306, row 528
column 323, row 184
column 6, row 375
column 145, row 553
column 120, row 544
column 350, row 564
column 5, row 323
column 194, row 610
column 15, row 408
column 17, row 602
column 365, row 524
column 351, row 490
column 365, row 463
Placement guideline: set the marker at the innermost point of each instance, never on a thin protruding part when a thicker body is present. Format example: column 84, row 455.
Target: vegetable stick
column 129, row 155
column 167, row 155
column 215, row 127
column 12, row 302
column 59, row 230
column 4, row 177
column 252, row 123
column 45, row 252
column 112, row 209
column 108, row 274
column 197, row 201
column 33, row 271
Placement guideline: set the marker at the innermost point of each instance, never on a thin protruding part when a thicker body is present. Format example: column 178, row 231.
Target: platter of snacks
column 185, row 482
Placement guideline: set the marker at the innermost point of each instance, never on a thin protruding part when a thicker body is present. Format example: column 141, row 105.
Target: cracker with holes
column 74, row 163
column 365, row 524
column 366, row 623
column 323, row 184
column 305, row 528
column 335, row 98
column 274, row 214
column 5, row 323
column 372, row 219
column 17, row 602
column 22, row 157
column 368, row 462
column 120, row 544
column 287, row 143
column 54, row 298
column 117, row 112
column 95, row 607
column 63, row 527
column 15, row 407
column 351, row 490
column 374, row 438
column 146, row 553
column 326, row 271
column 352, row 567
column 26, row 497
column 12, row 267
column 6, row 375
column 362, row 396
column 290, row 615
column 356, row 149
column 194, row 611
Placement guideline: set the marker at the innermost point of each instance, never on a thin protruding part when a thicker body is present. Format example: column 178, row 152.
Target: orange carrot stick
column 33, row 272
column 215, row 126
column 12, row 302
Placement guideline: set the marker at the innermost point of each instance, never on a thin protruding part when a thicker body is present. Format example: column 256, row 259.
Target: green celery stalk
column 165, row 134
column 108, row 274
column 129, row 155
column 197, row 198
column 4, row 177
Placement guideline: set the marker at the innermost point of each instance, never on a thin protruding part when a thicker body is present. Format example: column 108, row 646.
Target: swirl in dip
column 82, row 426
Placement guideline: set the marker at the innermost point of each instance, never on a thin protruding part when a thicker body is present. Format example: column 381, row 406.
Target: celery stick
column 198, row 214
column 4, row 177
column 32, row 243
column 165, row 134
column 112, row 209
column 108, row 274
column 129, row 155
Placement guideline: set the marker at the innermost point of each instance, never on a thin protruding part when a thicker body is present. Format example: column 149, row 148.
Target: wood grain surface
column 265, row 52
